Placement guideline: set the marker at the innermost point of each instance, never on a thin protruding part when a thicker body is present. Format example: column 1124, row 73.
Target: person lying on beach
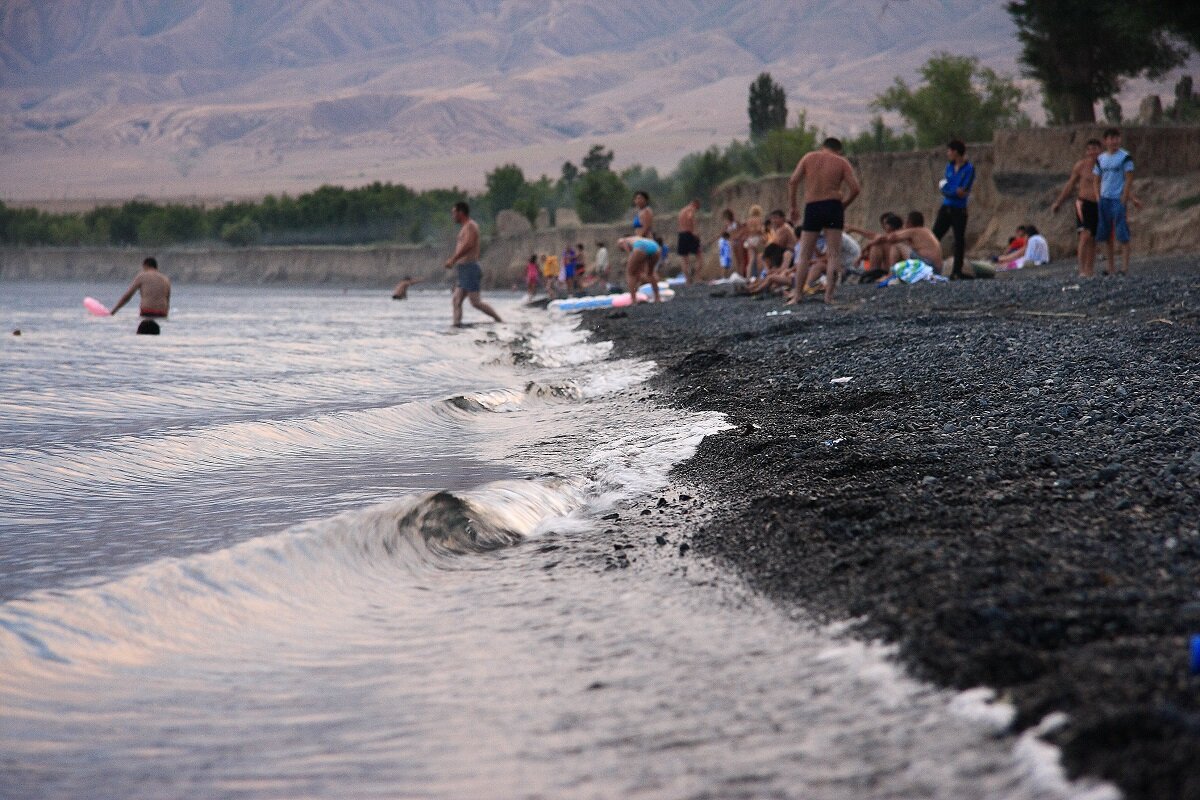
column 155, row 291
column 876, row 252
column 639, row 268
column 925, row 247
column 401, row 290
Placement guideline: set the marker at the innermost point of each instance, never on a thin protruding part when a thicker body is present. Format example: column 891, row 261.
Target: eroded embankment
column 1008, row 487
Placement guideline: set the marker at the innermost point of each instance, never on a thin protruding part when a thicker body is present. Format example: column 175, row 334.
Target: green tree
column 601, row 196
column 504, row 186
column 597, row 159
column 879, row 138
column 242, row 233
column 699, row 173
column 780, row 149
column 1079, row 50
column 767, row 107
column 958, row 99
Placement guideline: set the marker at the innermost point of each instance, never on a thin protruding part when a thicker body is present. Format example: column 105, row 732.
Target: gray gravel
column 1008, row 487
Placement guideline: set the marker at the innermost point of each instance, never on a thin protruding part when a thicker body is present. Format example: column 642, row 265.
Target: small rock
column 684, row 498
column 660, row 540
column 645, row 512
column 613, row 515
column 1110, row 472
column 928, row 480
column 683, row 548
column 662, row 502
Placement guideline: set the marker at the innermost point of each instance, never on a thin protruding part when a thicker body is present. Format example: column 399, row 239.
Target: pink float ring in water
column 95, row 307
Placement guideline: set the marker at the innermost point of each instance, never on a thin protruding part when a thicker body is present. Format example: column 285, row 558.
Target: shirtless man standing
column 926, row 247
column 1087, row 206
column 155, row 288
column 823, row 173
column 469, row 276
column 688, row 244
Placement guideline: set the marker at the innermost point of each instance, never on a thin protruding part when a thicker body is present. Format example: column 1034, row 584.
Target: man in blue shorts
column 469, row 275
column 1112, row 177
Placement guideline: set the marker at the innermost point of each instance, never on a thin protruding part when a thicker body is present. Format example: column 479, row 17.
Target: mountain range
column 167, row 98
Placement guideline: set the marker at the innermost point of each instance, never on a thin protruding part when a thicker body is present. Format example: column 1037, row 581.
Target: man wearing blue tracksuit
column 960, row 177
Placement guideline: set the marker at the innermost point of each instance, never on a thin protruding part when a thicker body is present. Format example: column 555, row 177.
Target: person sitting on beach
column 401, row 290
column 780, row 241
column 926, row 250
column 155, row 291
column 879, row 255
column 643, row 215
column 1034, row 251
column 818, row 268
column 640, row 267
column 1015, row 242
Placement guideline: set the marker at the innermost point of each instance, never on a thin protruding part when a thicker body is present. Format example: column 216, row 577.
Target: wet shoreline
column 1006, row 487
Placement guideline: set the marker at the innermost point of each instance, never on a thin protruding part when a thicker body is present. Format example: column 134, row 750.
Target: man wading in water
column 155, row 288
column 823, row 173
column 469, row 275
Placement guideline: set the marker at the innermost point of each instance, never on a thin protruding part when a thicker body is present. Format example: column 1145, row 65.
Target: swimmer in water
column 401, row 290
column 643, row 258
column 155, row 289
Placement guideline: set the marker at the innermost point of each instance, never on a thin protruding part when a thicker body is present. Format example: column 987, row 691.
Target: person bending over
column 401, row 290
column 880, row 255
column 643, row 258
column 155, row 289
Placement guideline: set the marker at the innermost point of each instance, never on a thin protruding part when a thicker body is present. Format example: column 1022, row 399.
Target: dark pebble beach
column 1007, row 487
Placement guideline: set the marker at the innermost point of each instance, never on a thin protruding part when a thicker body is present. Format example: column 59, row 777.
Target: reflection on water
column 170, row 630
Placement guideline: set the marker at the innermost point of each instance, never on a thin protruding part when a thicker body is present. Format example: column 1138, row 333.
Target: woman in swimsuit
column 643, row 216
column 643, row 258
column 737, row 238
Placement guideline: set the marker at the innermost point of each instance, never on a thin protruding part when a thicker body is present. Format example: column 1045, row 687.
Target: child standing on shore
column 725, row 253
column 532, row 277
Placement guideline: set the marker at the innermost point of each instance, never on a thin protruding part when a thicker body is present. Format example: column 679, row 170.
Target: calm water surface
column 309, row 543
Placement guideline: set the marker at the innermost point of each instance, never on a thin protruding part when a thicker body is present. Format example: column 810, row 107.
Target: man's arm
column 852, row 182
column 1128, row 191
column 964, row 188
column 793, row 187
column 1071, row 183
column 125, row 298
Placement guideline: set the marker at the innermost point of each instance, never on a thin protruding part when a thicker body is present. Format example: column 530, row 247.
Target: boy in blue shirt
column 1112, row 178
column 960, row 177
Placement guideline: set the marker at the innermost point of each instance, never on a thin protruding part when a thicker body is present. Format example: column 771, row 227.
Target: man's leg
column 456, row 303
column 482, row 306
column 833, row 260
column 1087, row 253
column 960, row 240
column 808, row 244
column 942, row 224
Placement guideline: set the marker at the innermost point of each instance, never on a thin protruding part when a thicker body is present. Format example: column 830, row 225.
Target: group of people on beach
column 804, row 251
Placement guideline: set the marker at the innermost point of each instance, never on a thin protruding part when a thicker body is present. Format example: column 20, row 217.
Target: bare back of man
column 823, row 173
column 924, row 244
column 155, row 289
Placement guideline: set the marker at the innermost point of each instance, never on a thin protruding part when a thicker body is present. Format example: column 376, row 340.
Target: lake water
column 313, row 543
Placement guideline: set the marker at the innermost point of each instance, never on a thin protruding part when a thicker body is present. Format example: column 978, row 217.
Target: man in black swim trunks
column 688, row 244
column 823, row 173
column 1087, row 208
